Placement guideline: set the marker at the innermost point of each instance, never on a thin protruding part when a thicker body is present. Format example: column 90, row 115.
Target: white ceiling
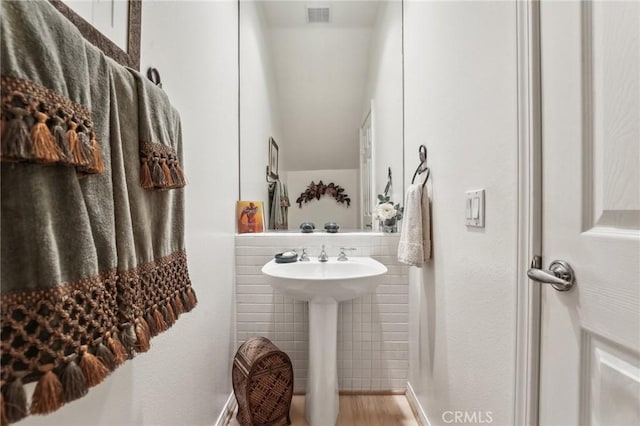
column 344, row 13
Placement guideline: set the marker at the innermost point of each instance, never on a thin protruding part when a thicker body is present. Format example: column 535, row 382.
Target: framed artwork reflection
column 272, row 169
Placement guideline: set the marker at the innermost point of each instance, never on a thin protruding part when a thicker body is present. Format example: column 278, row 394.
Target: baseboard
column 376, row 392
column 363, row 392
column 227, row 411
column 418, row 412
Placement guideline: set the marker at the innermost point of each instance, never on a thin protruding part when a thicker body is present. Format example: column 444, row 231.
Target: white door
column 590, row 335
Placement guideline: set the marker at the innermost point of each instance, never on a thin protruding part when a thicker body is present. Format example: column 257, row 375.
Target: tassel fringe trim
column 160, row 168
column 60, row 385
column 40, row 126
column 67, row 374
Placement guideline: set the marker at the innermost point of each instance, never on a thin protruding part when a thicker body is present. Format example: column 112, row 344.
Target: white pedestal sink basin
column 323, row 285
column 336, row 280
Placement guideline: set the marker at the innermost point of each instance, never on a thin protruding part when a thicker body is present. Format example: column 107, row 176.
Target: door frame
column 529, row 226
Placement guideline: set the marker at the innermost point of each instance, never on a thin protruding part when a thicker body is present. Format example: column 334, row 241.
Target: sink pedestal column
column 321, row 400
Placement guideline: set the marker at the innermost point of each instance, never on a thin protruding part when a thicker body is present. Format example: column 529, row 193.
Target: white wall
column 460, row 76
column 372, row 347
column 259, row 105
column 326, row 209
column 384, row 87
column 185, row 378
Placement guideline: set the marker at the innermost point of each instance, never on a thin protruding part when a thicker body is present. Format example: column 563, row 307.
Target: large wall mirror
column 324, row 80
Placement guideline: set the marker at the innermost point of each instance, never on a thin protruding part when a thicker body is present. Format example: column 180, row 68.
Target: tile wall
column 372, row 330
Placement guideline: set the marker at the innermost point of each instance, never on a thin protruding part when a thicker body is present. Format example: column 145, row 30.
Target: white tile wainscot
column 372, row 330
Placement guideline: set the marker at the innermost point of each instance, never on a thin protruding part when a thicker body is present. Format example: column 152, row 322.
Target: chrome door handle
column 559, row 275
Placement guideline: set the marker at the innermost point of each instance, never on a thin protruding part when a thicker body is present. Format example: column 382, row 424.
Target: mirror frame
column 130, row 58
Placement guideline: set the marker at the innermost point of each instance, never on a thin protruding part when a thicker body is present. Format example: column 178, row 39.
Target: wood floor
column 365, row 410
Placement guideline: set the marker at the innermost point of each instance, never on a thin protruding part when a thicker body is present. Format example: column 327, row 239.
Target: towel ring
column 422, row 167
column 422, row 153
column 389, row 182
column 271, row 179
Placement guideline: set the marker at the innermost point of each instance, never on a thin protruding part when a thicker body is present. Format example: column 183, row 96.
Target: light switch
column 474, row 208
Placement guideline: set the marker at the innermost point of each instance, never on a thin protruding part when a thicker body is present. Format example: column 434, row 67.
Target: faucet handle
column 343, row 256
column 304, row 257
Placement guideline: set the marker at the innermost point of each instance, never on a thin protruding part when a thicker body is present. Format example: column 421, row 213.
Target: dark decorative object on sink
column 331, row 227
column 307, row 227
column 317, row 190
column 286, row 257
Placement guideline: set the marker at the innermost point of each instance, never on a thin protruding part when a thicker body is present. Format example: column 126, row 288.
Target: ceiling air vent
column 318, row 14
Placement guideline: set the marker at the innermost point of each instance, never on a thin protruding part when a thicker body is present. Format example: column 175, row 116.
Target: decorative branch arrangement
column 317, row 190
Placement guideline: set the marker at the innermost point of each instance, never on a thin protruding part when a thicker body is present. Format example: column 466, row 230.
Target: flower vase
column 389, row 225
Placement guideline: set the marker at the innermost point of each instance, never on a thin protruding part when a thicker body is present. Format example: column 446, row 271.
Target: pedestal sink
column 323, row 285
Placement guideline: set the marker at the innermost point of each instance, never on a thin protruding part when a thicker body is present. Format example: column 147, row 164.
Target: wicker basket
column 263, row 383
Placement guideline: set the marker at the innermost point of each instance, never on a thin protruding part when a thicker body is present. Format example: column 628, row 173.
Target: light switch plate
column 474, row 208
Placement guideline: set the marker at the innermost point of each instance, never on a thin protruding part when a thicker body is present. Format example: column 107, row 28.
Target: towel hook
column 154, row 75
column 422, row 167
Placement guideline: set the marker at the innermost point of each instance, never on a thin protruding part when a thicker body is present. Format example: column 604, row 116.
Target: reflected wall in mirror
column 325, row 81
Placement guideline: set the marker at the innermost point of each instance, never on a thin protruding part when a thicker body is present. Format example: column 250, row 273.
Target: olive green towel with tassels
column 159, row 129
column 93, row 265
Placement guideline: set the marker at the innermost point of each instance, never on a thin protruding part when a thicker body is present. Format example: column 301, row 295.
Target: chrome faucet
column 323, row 255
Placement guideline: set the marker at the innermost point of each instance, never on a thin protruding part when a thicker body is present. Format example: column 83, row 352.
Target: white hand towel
column 426, row 223
column 415, row 238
